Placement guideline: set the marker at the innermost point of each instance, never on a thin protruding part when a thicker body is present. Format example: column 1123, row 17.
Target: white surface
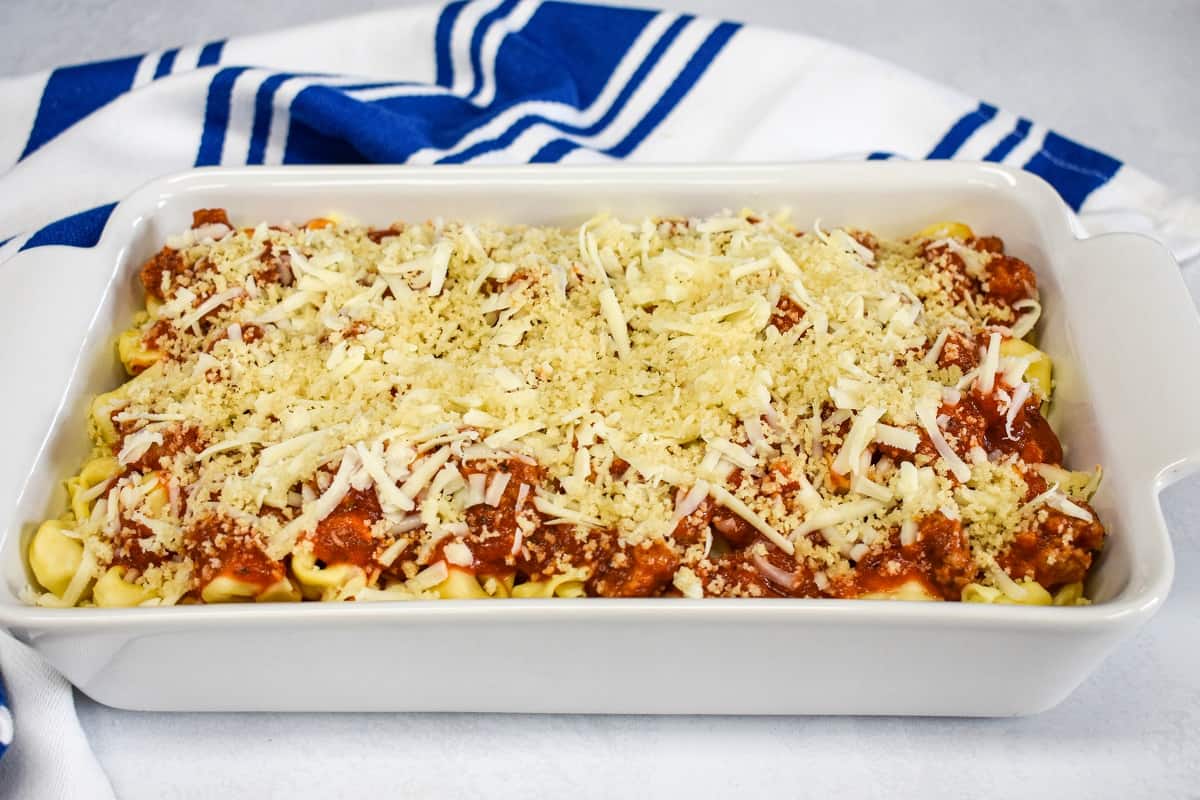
column 1114, row 74
column 1028, row 658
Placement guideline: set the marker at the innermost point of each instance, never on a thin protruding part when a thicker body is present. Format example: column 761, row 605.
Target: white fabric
column 49, row 758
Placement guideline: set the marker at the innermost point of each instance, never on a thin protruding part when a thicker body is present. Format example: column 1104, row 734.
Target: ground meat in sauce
column 1032, row 437
column 378, row 236
column 1009, row 280
column 176, row 439
column 210, row 216
column 345, row 536
column 939, row 558
column 277, row 267
column 642, row 570
column 787, row 314
column 965, row 426
column 551, row 548
column 731, row 528
column 694, row 528
column 1055, row 549
column 219, row 546
column 958, row 351
column 949, row 264
column 165, row 262
column 160, row 336
column 250, row 333
column 866, row 239
column 986, row 244
column 492, row 529
column 127, row 549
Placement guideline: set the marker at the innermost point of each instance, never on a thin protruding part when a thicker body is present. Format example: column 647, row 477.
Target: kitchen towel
column 488, row 81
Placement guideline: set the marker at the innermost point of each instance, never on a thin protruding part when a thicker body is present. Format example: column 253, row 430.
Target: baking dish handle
column 50, row 296
column 1137, row 320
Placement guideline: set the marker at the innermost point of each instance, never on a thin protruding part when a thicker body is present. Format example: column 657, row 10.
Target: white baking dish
column 1118, row 322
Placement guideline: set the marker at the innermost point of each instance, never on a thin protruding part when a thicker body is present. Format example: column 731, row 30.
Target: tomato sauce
column 939, row 559
column 345, row 536
column 642, row 570
column 166, row 263
column 493, row 529
column 787, row 314
column 220, row 547
column 176, row 439
column 128, row 551
column 277, row 267
column 1055, row 550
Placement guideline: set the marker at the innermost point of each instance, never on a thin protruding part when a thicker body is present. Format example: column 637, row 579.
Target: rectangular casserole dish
column 1118, row 323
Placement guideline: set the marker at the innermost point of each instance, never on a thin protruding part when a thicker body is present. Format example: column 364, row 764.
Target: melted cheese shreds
column 1054, row 498
column 1027, row 321
column 136, row 444
column 851, row 511
column 986, row 379
column 731, row 451
column 927, row 415
column 862, row 432
column 610, row 307
column 935, row 350
column 735, row 505
column 560, row 512
column 900, row 438
column 496, row 487
column 208, row 306
column 424, row 471
column 704, row 354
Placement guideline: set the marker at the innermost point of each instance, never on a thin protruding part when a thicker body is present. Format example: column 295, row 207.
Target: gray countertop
column 1116, row 75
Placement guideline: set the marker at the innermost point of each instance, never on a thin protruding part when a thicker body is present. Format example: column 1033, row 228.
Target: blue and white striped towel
column 488, row 81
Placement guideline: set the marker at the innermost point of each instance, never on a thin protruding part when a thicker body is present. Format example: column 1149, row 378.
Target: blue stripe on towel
column 72, row 93
column 587, row 90
column 216, row 116
column 1074, row 170
column 210, row 54
column 879, row 155
column 264, row 109
column 962, row 130
column 6, row 719
column 481, row 28
column 165, row 63
column 564, row 54
column 1009, row 142
column 441, row 39
column 678, row 89
column 554, row 151
column 78, row 230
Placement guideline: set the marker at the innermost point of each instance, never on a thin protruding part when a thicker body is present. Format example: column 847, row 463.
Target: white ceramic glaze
column 1118, row 322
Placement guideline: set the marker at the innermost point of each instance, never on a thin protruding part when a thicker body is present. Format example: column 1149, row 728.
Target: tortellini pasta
column 83, row 488
column 910, row 590
column 54, row 556
column 113, row 591
column 134, row 353
column 566, row 584
column 1034, row 595
column 322, row 582
column 946, row 230
column 1040, row 369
